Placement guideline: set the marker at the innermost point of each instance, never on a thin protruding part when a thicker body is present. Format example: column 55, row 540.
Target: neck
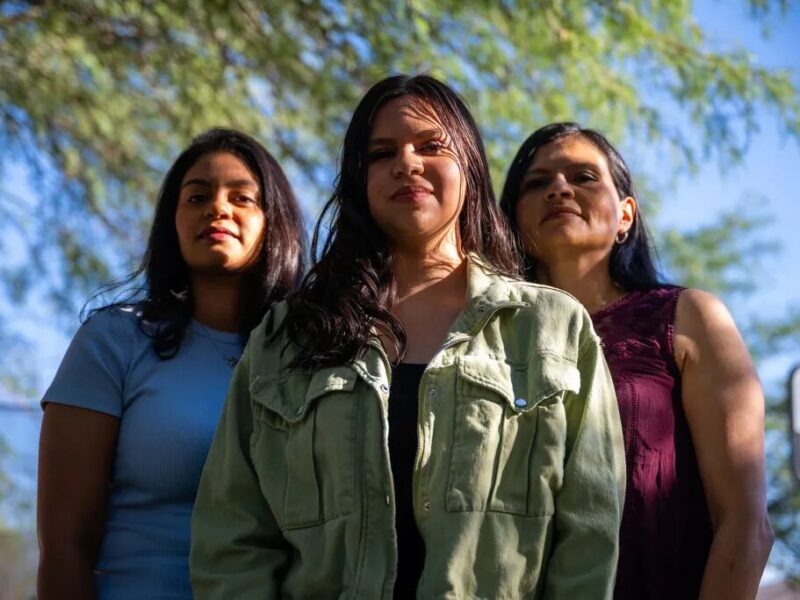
column 430, row 293
column 585, row 277
column 415, row 270
column 216, row 301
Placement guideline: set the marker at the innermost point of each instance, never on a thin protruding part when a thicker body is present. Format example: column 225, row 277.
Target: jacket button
column 520, row 402
column 388, row 500
column 426, row 505
column 384, row 388
column 432, row 393
column 299, row 411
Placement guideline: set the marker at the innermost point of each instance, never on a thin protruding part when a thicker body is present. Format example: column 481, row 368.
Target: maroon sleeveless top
column 666, row 531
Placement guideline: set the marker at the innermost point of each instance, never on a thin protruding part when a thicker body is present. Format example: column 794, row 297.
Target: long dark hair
column 632, row 265
column 167, row 305
column 350, row 288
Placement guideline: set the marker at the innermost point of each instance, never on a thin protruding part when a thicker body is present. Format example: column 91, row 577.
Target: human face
column 415, row 185
column 568, row 203
column 219, row 219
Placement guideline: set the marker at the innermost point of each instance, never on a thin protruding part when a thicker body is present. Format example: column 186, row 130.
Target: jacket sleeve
column 588, row 508
column 237, row 549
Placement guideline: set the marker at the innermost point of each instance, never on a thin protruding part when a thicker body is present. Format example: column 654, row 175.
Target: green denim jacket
column 519, row 475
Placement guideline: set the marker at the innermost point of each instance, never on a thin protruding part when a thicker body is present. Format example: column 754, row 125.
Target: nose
column 559, row 188
column 407, row 162
column 218, row 207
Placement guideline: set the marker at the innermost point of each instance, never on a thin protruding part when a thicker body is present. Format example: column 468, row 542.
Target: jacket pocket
column 305, row 456
column 508, row 435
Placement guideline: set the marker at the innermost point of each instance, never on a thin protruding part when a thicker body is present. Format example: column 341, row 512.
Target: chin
column 548, row 247
column 217, row 269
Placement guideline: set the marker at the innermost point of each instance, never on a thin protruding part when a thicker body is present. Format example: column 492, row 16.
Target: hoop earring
column 622, row 236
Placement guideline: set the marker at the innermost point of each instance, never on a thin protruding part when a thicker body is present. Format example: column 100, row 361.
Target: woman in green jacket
column 414, row 420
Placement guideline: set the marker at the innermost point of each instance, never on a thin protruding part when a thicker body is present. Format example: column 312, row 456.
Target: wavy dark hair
column 632, row 265
column 165, row 302
column 348, row 293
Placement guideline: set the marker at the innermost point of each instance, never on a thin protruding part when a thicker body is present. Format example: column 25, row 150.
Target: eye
column 534, row 183
column 431, row 147
column 244, row 199
column 195, row 198
column 379, row 154
column 585, row 177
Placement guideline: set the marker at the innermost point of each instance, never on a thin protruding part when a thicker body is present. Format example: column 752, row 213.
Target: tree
column 97, row 97
column 18, row 567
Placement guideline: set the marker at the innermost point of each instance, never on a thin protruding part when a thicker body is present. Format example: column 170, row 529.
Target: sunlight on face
column 219, row 219
column 415, row 185
column 568, row 203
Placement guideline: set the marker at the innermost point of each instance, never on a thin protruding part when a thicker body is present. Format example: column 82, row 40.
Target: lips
column 411, row 193
column 216, row 233
column 560, row 211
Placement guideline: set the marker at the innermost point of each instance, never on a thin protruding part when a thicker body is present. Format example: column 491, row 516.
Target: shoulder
column 268, row 340
column 702, row 323
column 539, row 296
column 112, row 335
column 115, row 323
column 698, row 311
column 497, row 287
column 271, row 323
column 94, row 369
column 546, row 321
column 552, row 308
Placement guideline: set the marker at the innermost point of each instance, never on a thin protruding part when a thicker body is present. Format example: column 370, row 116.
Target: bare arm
column 76, row 453
column 724, row 406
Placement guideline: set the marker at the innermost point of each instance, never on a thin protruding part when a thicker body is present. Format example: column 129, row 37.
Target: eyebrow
column 233, row 183
column 421, row 134
column 580, row 165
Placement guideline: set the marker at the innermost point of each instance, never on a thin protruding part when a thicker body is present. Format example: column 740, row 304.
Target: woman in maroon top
column 695, row 521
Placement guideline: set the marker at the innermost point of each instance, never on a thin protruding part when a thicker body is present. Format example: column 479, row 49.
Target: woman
column 695, row 521
column 130, row 415
column 413, row 418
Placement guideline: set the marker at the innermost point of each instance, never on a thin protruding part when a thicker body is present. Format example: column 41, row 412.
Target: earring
column 180, row 296
column 621, row 237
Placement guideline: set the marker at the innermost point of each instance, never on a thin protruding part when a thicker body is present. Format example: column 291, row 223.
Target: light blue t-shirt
column 168, row 411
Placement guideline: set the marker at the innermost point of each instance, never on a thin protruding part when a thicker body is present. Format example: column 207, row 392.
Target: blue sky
column 766, row 174
column 765, row 177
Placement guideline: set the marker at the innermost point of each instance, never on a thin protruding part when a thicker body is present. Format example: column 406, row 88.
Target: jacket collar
column 487, row 292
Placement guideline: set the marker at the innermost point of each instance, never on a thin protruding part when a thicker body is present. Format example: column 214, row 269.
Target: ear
column 627, row 208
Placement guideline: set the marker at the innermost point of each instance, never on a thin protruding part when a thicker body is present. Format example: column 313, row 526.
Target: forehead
column 406, row 115
column 567, row 151
column 219, row 165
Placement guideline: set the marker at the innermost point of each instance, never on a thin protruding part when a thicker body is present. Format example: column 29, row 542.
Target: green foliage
column 18, row 567
column 783, row 496
column 777, row 334
column 18, row 377
column 720, row 257
column 17, row 538
column 97, row 97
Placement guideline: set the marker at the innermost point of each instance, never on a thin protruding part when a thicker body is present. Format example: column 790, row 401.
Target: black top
column 403, row 400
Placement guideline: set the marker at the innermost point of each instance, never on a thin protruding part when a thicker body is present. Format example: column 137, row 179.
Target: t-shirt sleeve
column 92, row 373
